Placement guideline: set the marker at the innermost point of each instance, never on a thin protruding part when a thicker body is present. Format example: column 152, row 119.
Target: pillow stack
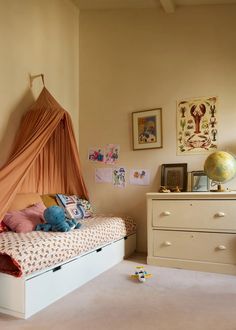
column 75, row 207
column 26, row 211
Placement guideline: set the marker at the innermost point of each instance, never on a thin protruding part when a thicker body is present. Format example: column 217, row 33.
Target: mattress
column 24, row 254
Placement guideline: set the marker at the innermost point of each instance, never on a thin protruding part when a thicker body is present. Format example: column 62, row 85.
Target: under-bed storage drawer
column 56, row 283
column 23, row 297
column 194, row 214
column 211, row 247
column 44, row 289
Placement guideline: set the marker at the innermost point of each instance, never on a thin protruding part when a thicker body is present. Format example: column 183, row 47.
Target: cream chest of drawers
column 192, row 231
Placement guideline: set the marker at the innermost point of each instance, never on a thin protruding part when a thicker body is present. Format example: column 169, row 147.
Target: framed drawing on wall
column 147, row 129
column 174, row 176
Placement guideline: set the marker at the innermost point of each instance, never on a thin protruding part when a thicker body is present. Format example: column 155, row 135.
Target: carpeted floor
column 173, row 299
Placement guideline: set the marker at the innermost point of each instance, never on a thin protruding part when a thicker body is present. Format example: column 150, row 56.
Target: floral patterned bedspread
column 37, row 250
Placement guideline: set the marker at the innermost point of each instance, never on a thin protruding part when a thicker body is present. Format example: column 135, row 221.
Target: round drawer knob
column 167, row 243
column 220, row 214
column 221, row 247
column 166, row 213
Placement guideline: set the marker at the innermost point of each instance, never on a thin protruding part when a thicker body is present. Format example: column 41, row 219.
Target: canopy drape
column 44, row 157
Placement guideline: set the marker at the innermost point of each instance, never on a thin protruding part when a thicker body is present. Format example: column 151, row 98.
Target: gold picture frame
column 147, row 129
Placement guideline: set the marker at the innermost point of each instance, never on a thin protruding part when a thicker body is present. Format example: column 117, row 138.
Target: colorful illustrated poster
column 118, row 175
column 139, row 177
column 197, row 126
column 147, row 130
column 103, row 175
column 112, row 152
column 96, row 154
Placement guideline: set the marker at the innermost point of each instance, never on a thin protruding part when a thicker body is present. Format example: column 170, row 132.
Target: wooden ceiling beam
column 168, row 6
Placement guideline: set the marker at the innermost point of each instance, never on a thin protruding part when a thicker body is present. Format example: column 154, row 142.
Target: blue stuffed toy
column 56, row 220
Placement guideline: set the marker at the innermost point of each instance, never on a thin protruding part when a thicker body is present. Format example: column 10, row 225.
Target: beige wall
column 36, row 36
column 138, row 59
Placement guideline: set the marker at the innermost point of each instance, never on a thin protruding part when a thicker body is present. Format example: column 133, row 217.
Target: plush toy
column 56, row 220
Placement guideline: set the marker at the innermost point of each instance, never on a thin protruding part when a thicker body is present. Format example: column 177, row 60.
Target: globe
column 220, row 166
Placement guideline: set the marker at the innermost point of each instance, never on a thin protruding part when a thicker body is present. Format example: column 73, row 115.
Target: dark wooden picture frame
column 174, row 175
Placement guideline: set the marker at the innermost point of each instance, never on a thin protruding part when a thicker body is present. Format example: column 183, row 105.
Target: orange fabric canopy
column 44, row 157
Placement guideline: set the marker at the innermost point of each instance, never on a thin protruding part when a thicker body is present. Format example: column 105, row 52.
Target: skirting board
column 25, row 296
column 201, row 266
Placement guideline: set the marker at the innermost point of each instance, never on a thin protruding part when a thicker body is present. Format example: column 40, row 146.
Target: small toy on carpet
column 56, row 220
column 141, row 274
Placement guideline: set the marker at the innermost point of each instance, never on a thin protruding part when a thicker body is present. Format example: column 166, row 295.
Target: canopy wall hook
column 32, row 77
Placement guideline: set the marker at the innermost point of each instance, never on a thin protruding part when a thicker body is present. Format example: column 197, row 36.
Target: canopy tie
column 37, row 76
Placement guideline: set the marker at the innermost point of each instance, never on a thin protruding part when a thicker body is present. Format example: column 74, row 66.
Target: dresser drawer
column 194, row 214
column 212, row 247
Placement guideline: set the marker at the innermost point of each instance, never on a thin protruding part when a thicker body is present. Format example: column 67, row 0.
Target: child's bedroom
column 118, row 164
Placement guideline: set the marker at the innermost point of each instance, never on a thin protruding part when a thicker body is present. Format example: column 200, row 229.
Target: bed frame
column 22, row 297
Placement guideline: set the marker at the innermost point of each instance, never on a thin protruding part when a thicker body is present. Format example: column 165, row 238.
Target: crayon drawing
column 139, row 177
column 119, row 177
column 96, row 154
column 112, row 152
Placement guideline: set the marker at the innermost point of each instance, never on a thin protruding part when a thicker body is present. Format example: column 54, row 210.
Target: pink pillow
column 24, row 221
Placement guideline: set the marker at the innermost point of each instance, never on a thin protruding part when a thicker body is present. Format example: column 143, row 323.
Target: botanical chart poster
column 111, row 153
column 139, row 177
column 103, row 175
column 118, row 176
column 197, row 125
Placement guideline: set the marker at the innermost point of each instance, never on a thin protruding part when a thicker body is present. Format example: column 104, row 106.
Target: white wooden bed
column 26, row 295
column 22, row 297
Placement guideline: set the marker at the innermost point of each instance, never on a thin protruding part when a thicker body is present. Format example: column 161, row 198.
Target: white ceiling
column 168, row 5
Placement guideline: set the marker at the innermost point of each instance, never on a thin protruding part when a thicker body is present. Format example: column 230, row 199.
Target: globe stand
column 219, row 188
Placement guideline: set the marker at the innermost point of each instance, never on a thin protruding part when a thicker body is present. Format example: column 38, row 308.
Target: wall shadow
column 13, row 123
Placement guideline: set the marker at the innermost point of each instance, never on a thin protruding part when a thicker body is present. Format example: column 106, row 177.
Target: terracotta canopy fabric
column 44, row 157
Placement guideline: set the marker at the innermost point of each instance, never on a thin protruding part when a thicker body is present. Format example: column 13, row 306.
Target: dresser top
column 193, row 195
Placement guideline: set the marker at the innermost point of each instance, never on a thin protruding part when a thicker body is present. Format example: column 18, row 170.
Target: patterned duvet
column 23, row 254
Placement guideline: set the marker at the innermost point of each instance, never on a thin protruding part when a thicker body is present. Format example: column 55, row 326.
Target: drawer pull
column 220, row 214
column 166, row 213
column 167, row 243
column 56, row 269
column 221, row 247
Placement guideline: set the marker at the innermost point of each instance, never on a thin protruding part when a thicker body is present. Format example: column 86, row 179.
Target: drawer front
column 46, row 288
column 211, row 247
column 195, row 214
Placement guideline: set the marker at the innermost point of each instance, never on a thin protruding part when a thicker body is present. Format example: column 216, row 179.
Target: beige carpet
column 172, row 299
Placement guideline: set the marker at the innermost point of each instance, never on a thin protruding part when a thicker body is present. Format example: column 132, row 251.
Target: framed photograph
column 147, row 129
column 174, row 176
column 199, row 181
